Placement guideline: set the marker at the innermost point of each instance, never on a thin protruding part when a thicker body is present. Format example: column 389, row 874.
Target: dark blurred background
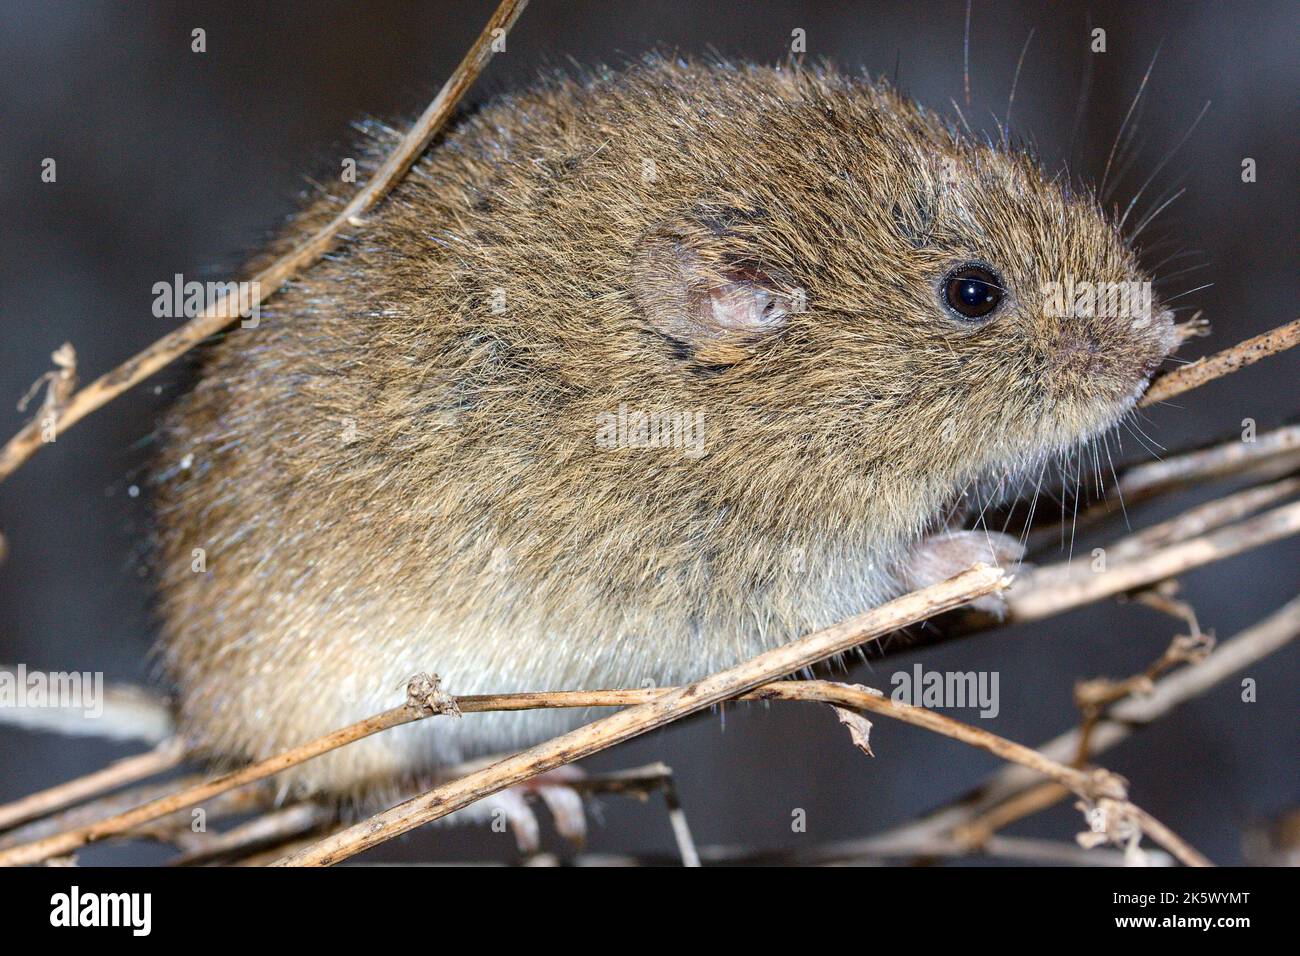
column 172, row 161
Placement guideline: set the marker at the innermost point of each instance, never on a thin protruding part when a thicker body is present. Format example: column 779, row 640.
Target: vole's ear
column 694, row 287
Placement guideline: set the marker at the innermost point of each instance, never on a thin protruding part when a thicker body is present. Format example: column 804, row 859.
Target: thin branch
column 1094, row 785
column 1132, row 563
column 268, row 856
column 865, row 851
column 71, row 409
column 1098, row 787
column 275, row 828
column 1095, row 697
column 1229, row 457
column 284, row 835
column 1000, row 847
column 641, row 782
column 98, row 809
column 1049, row 590
column 1272, row 455
column 1014, row 783
column 1206, row 517
column 421, row 701
column 1230, row 360
column 681, row 827
column 133, row 769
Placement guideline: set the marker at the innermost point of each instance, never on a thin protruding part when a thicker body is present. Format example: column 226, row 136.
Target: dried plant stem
column 60, row 844
column 813, row 691
column 686, row 849
column 1036, row 799
column 1050, row 590
column 1272, row 455
column 98, row 809
column 276, row 827
column 1206, row 517
column 642, row 781
column 1222, row 363
column 129, row 770
column 1230, row 457
column 268, row 856
column 281, row 827
column 1145, row 558
column 1091, row 785
column 217, row 316
column 670, row 705
column 991, row 803
column 1095, row 697
column 872, row 851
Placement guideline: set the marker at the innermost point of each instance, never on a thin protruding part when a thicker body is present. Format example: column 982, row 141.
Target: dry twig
column 70, row 409
column 992, row 803
column 1272, row 455
column 165, row 756
column 424, row 699
column 1045, row 591
column 1222, row 363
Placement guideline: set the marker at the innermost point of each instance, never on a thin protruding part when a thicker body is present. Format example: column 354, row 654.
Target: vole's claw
column 567, row 811
column 562, row 800
column 520, row 818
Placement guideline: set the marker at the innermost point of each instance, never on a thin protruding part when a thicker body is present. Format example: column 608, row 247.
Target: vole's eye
column 972, row 291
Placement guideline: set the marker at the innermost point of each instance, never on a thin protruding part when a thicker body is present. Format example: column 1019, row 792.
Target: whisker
column 1141, row 87
column 1011, row 98
column 1188, row 292
column 1096, row 469
column 962, row 116
column 1183, row 272
column 1146, row 442
column 1074, row 520
column 1033, row 504
column 1118, row 489
column 1183, row 254
column 1084, row 96
column 1161, row 165
column 1150, row 217
column 965, row 55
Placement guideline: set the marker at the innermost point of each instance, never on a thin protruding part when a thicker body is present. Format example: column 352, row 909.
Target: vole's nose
column 1078, row 349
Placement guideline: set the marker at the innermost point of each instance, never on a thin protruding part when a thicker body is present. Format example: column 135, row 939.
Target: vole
column 637, row 374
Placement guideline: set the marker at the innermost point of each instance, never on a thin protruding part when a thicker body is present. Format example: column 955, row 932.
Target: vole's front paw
column 942, row 555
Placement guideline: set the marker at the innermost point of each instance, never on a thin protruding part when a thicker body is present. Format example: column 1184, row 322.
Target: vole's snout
column 1164, row 342
column 1157, row 338
column 1151, row 366
column 1107, row 341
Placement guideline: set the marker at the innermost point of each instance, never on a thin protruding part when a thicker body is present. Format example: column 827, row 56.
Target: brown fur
column 389, row 475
